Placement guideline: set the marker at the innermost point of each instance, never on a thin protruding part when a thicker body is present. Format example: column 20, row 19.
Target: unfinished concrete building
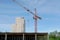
column 23, row 36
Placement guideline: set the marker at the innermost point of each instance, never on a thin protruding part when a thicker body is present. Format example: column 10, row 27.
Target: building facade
column 19, row 25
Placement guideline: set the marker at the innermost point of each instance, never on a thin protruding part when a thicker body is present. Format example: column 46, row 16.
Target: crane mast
column 35, row 18
column 34, row 14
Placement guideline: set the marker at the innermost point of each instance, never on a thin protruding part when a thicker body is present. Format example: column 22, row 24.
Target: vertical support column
column 45, row 37
column 35, row 36
column 23, row 36
column 5, row 36
column 48, row 37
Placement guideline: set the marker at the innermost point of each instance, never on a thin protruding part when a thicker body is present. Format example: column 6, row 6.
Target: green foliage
column 52, row 36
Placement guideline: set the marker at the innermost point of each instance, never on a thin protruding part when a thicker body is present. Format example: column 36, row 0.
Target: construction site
column 18, row 29
column 18, row 32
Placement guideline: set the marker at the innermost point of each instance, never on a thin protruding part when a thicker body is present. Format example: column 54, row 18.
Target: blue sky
column 49, row 10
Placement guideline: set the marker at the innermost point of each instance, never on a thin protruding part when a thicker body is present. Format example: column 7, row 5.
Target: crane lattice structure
column 34, row 14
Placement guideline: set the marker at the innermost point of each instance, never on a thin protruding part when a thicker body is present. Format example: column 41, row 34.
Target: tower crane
column 34, row 14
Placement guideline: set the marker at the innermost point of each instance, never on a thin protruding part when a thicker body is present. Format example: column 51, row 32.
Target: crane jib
column 27, row 9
